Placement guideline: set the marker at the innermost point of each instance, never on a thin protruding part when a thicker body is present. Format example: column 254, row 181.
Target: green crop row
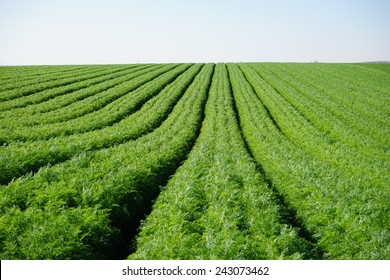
column 20, row 158
column 346, row 216
column 85, row 207
column 217, row 205
column 335, row 127
column 15, row 76
column 46, row 100
column 356, row 79
column 356, row 116
column 63, row 102
column 19, row 96
column 308, row 137
column 23, row 80
column 129, row 97
column 357, row 99
column 353, row 83
column 16, row 73
column 226, row 161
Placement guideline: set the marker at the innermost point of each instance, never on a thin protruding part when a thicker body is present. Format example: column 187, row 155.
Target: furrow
column 354, row 97
column 304, row 135
column 47, row 95
column 20, row 158
column 22, row 96
column 216, row 206
column 288, row 213
column 12, row 74
column 333, row 127
column 131, row 97
column 90, row 94
column 343, row 213
column 45, row 77
column 347, row 111
column 352, row 79
column 107, row 192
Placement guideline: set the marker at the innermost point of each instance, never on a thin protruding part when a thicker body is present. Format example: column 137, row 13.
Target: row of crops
column 195, row 161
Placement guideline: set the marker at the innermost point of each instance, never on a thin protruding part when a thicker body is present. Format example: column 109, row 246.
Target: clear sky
column 143, row 31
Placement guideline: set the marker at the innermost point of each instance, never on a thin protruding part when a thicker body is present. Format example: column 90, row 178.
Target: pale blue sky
column 129, row 31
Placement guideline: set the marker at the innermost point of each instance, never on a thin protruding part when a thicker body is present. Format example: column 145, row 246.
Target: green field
column 195, row 161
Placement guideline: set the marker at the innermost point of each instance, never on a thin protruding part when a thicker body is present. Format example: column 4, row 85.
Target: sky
column 36, row 32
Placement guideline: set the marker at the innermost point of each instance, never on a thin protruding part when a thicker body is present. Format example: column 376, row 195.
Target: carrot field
column 195, row 161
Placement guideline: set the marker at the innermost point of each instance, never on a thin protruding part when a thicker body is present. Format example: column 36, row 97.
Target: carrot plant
column 217, row 206
column 71, row 102
column 348, row 122
column 40, row 75
column 343, row 214
column 26, row 95
column 226, row 161
column 312, row 139
column 20, row 158
column 124, row 100
column 98, row 197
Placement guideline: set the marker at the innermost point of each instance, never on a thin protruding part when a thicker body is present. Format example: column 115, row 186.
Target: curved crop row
column 290, row 161
column 130, row 95
column 80, row 102
column 14, row 74
column 85, row 207
column 217, row 205
column 347, row 216
column 72, row 101
column 313, row 140
column 356, row 98
column 20, row 96
column 36, row 98
column 328, row 119
column 20, row 158
column 351, row 77
column 360, row 116
column 23, row 80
